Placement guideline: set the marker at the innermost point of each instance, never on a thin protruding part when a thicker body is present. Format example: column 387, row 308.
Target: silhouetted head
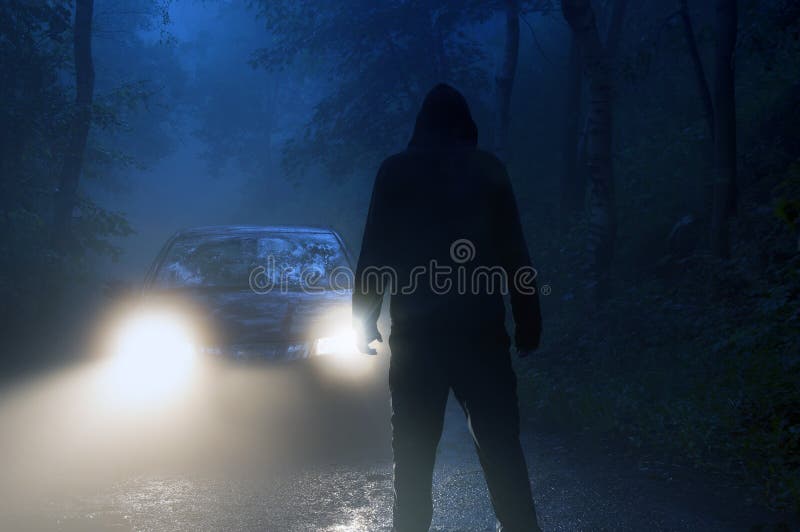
column 444, row 120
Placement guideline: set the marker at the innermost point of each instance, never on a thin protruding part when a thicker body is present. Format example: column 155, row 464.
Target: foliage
column 379, row 69
column 36, row 87
column 693, row 358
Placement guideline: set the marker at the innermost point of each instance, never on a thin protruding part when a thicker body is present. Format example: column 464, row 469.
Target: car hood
column 243, row 317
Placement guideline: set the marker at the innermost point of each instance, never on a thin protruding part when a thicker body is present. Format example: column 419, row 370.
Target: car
column 245, row 330
column 269, row 294
column 274, row 293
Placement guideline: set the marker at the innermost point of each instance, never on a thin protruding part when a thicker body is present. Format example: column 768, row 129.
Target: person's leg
column 486, row 387
column 419, row 393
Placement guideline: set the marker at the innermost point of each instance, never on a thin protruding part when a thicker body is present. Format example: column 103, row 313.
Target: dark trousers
column 483, row 381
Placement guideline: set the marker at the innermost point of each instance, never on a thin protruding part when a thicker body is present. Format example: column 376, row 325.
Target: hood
column 242, row 317
column 444, row 121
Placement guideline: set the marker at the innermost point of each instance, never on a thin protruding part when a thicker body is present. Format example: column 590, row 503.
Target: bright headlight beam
column 340, row 356
column 341, row 344
column 153, row 356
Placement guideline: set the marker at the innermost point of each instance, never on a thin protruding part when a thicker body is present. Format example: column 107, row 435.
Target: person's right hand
column 363, row 341
column 525, row 353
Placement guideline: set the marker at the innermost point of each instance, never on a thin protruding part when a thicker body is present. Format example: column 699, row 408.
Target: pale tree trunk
column 66, row 195
column 602, row 223
column 505, row 79
column 726, row 20
column 571, row 180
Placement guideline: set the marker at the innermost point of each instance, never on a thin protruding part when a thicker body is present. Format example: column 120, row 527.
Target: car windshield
column 289, row 261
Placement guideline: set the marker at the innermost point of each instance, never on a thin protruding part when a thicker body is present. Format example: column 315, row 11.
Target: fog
column 653, row 156
column 84, row 433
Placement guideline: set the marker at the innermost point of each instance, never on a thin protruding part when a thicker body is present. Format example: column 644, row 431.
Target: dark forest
column 654, row 150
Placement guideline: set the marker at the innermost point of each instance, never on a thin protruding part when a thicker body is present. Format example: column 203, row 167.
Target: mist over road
column 254, row 448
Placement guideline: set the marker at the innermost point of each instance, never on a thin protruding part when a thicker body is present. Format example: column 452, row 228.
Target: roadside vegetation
column 693, row 356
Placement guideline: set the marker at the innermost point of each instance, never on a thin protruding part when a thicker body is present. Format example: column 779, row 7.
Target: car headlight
column 153, row 355
column 341, row 344
column 340, row 358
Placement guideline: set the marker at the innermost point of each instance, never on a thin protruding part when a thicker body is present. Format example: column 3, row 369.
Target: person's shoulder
column 489, row 160
column 392, row 163
column 490, row 167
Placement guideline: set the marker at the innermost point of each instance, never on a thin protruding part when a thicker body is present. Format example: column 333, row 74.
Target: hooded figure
column 443, row 238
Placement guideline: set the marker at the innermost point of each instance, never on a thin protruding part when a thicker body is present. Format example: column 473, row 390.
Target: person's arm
column 367, row 293
column 513, row 252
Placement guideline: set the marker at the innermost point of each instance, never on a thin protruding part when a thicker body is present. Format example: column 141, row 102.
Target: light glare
column 153, row 357
column 342, row 344
column 341, row 357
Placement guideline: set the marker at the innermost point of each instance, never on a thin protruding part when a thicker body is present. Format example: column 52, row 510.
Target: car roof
column 210, row 230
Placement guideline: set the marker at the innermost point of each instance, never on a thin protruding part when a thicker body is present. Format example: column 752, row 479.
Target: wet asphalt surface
column 78, row 474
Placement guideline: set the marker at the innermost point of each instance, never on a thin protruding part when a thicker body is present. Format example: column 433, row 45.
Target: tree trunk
column 613, row 38
column 602, row 223
column 66, row 194
column 697, row 63
column 704, row 93
column 614, row 33
column 505, row 79
column 726, row 20
column 571, row 181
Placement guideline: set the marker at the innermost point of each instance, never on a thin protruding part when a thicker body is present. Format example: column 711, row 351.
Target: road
column 256, row 453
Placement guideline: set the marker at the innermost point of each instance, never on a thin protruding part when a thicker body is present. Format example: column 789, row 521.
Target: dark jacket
column 442, row 203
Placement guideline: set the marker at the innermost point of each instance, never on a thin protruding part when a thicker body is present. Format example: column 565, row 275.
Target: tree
column 614, row 33
column 697, row 64
column 704, row 93
column 574, row 150
column 66, row 195
column 505, row 78
column 571, row 183
column 378, row 59
column 602, row 223
column 37, row 122
column 726, row 20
